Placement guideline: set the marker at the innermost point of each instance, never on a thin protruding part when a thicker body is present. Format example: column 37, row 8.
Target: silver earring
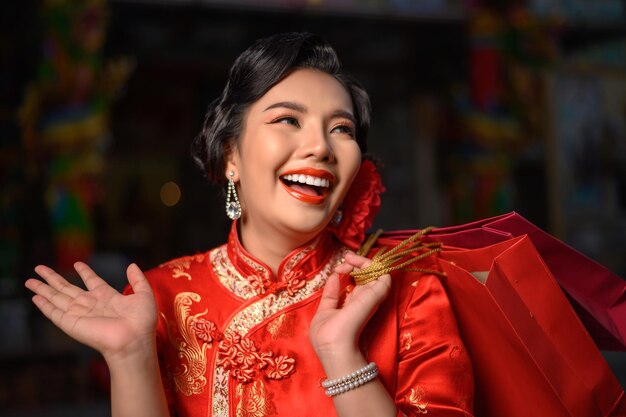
column 338, row 216
column 233, row 208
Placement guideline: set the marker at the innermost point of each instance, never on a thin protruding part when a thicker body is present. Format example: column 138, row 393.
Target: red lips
column 307, row 198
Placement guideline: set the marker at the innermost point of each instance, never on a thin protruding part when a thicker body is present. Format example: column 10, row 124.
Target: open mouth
column 306, row 184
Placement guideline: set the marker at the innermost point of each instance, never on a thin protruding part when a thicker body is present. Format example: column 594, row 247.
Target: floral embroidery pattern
column 292, row 279
column 258, row 283
column 206, row 331
column 241, row 357
column 220, row 392
column 251, row 359
column 416, row 399
column 229, row 276
column 405, row 342
column 178, row 266
column 188, row 377
column 260, row 310
column 261, row 279
column 254, row 400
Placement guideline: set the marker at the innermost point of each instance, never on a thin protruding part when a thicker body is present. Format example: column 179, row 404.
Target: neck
column 270, row 246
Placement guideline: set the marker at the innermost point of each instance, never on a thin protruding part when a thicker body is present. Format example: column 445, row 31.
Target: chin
column 306, row 225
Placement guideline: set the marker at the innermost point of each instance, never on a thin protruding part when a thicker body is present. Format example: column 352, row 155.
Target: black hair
column 265, row 63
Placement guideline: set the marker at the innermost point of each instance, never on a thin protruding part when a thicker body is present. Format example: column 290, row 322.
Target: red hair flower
column 360, row 206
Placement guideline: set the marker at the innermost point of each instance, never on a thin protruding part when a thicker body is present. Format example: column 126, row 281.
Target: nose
column 316, row 145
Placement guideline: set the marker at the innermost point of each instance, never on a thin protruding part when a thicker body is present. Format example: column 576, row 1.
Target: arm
column 334, row 334
column 122, row 328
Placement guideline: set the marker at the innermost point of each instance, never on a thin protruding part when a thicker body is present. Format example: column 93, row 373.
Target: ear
column 231, row 160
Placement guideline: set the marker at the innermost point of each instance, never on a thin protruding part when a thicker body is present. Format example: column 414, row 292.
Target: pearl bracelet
column 351, row 381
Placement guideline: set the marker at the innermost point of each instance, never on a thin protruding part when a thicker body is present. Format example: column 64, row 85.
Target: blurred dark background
column 479, row 108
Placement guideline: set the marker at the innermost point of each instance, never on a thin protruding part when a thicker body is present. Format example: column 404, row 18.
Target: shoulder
column 179, row 273
column 183, row 267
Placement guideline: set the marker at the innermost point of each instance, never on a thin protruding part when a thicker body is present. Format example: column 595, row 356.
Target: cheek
column 264, row 154
column 351, row 161
column 273, row 145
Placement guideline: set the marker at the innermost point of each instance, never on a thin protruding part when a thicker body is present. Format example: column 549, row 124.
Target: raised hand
column 335, row 328
column 99, row 317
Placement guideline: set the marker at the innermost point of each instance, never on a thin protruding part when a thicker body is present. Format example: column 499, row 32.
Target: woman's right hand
column 116, row 325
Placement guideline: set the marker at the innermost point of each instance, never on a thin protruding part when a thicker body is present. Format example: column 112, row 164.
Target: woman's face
column 297, row 155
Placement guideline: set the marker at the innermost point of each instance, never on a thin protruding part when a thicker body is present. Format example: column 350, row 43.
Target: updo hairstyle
column 264, row 64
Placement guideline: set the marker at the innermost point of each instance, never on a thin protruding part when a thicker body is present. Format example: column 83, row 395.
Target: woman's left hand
column 335, row 328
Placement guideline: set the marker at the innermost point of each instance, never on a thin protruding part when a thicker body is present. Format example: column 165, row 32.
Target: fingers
column 48, row 293
column 344, row 268
column 356, row 260
column 137, row 279
column 352, row 261
column 367, row 297
column 380, row 286
column 52, row 312
column 57, row 282
column 330, row 295
column 89, row 277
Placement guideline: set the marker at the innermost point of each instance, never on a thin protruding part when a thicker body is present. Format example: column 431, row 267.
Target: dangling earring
column 338, row 216
column 233, row 208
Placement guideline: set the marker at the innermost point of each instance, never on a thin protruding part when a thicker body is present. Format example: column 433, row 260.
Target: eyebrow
column 302, row 109
column 289, row 105
column 345, row 115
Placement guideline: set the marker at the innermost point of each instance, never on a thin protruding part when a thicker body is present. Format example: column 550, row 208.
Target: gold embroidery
column 220, row 392
column 259, row 282
column 294, row 260
column 254, row 400
column 188, row 377
column 178, row 266
column 261, row 279
column 229, row 276
column 266, row 307
column 405, row 341
column 282, row 326
column 416, row 399
column 256, row 313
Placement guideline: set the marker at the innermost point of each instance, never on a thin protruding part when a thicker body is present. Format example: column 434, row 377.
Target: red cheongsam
column 234, row 339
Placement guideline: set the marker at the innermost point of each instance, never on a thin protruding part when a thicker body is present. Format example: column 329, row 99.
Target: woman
column 251, row 328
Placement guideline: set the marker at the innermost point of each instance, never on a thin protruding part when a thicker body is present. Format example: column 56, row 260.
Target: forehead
column 316, row 90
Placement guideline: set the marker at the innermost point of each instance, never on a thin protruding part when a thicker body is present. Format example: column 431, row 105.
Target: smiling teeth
column 308, row 179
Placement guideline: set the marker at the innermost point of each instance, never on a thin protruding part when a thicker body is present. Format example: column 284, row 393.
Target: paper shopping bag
column 597, row 294
column 531, row 354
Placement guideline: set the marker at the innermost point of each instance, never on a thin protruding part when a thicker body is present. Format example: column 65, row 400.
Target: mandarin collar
column 296, row 268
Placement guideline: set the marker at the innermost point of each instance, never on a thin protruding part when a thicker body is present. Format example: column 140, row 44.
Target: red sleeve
column 434, row 370
column 161, row 338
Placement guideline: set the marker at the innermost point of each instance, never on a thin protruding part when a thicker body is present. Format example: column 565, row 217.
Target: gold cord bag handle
column 386, row 261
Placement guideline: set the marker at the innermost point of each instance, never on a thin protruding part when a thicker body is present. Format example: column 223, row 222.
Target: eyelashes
column 348, row 130
column 286, row 120
column 341, row 128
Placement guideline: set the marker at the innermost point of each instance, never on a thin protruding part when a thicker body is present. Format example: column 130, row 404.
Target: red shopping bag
column 597, row 294
column 531, row 354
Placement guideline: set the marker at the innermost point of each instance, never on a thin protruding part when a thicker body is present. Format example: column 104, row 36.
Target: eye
column 344, row 129
column 287, row 120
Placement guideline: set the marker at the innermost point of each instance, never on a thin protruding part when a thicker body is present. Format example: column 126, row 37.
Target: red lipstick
column 308, row 198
